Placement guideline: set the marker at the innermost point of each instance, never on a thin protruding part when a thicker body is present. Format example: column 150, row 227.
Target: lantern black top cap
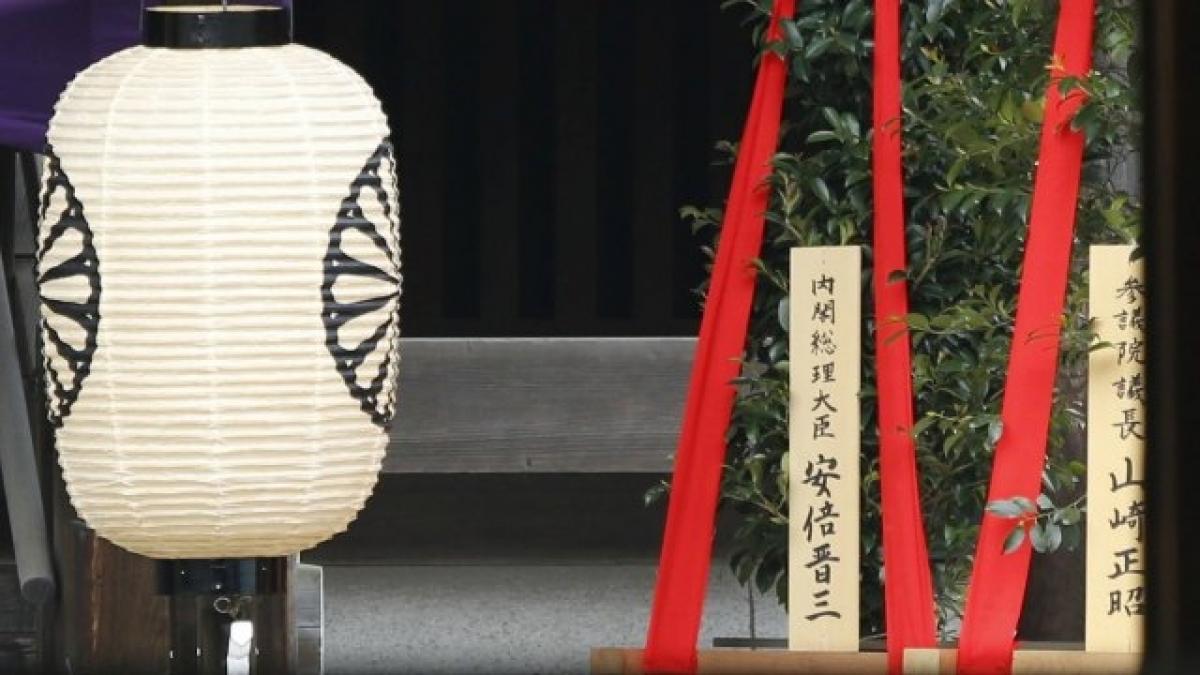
column 215, row 26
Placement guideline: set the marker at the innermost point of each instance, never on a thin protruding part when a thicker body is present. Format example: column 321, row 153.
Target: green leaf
column 1069, row 516
column 1005, row 508
column 850, row 124
column 1026, row 505
column 832, row 117
column 821, row 190
column 922, row 424
column 818, row 47
column 934, row 9
column 822, row 136
column 1071, row 537
column 995, row 430
column 1034, row 110
column 756, row 472
column 955, row 169
column 1053, row 536
column 792, row 33
column 1087, row 120
column 783, row 312
column 654, row 493
column 764, row 576
column 917, row 321
column 950, row 200
column 1038, row 538
column 1013, row 541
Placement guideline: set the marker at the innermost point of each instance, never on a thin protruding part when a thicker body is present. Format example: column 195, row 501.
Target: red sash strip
column 687, row 543
column 998, row 580
column 908, row 600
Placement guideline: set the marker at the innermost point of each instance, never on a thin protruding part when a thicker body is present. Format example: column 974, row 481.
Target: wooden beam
column 1030, row 661
column 1026, row 661
column 515, row 405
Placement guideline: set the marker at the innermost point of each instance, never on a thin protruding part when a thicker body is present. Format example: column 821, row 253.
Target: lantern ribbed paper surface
column 220, row 276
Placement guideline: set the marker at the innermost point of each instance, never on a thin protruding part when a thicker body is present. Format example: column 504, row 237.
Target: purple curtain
column 43, row 44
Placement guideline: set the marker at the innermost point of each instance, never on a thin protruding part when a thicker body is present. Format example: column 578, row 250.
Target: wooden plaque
column 1116, row 418
column 823, row 450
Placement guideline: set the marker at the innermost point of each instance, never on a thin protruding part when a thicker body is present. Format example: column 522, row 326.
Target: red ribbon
column 908, row 599
column 687, row 543
column 998, row 580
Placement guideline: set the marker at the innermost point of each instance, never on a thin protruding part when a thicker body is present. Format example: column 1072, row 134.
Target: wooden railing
column 538, row 405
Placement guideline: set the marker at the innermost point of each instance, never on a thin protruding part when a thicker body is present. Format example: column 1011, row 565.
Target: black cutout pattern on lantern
column 71, row 313
column 361, row 290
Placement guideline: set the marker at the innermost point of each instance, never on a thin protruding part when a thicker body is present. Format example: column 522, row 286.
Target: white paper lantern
column 220, row 271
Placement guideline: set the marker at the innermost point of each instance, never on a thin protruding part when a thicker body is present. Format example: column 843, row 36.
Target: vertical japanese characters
column 1116, row 578
column 823, row 456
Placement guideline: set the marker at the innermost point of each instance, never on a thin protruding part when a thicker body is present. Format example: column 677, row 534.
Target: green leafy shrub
column 975, row 74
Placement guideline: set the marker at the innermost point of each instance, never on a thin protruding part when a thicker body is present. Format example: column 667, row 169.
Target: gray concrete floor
column 507, row 619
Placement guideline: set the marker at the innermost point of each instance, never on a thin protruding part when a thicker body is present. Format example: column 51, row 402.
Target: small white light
column 241, row 637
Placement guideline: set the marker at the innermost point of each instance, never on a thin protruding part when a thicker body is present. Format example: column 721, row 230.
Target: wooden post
column 823, row 449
